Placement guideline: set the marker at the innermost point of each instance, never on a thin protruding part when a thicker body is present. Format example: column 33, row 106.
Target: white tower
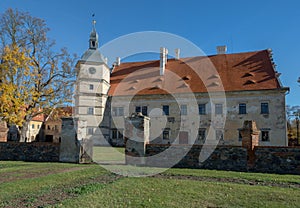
column 92, row 86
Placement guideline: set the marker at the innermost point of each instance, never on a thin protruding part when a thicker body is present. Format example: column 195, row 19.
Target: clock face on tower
column 92, row 70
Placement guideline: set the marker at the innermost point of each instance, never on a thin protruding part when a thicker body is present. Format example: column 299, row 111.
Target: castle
column 202, row 99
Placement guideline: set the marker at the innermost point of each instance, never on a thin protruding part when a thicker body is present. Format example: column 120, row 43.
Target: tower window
column 90, row 111
column 91, row 87
column 90, row 130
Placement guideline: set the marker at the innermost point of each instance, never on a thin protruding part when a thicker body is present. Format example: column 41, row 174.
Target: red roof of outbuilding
column 231, row 72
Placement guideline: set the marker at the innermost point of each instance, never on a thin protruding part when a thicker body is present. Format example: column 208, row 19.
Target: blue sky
column 241, row 25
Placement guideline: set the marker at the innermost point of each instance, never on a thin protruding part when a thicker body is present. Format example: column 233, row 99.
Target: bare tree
column 40, row 77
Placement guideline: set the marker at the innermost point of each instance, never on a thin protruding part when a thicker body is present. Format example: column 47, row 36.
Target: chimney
column 221, row 49
column 118, row 61
column 163, row 60
column 177, row 53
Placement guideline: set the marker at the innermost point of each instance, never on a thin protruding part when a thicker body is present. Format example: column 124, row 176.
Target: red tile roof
column 57, row 113
column 231, row 72
column 40, row 117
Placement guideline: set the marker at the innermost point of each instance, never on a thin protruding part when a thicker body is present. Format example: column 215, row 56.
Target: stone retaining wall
column 221, row 158
column 34, row 152
column 283, row 160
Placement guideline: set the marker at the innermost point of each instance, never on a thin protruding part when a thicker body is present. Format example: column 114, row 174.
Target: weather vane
column 94, row 21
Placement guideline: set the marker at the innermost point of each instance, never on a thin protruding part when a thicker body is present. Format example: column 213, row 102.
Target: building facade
column 189, row 100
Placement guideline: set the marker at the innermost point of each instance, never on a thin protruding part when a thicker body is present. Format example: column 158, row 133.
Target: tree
column 34, row 78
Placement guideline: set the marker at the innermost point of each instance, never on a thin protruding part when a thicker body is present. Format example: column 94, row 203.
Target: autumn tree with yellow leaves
column 34, row 78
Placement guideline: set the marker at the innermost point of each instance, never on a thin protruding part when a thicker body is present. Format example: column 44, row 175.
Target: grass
column 108, row 154
column 24, row 184
column 153, row 192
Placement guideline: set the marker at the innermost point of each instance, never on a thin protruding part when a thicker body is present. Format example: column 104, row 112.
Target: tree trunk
column 24, row 130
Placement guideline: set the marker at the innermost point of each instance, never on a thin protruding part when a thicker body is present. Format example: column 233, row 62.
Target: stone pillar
column 250, row 139
column 86, row 151
column 86, row 144
column 69, row 146
column 74, row 146
column 3, row 131
column 136, row 138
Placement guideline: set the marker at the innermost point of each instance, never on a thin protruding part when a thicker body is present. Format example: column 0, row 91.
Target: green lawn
column 109, row 154
column 24, row 184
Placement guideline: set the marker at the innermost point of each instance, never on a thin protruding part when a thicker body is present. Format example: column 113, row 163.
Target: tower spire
column 94, row 36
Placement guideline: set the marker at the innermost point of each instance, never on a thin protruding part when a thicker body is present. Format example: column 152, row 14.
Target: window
column 142, row 109
column 183, row 110
column 264, row 108
column 166, row 134
column 38, row 126
column 219, row 135
column 56, row 127
column 90, row 111
column 201, row 134
column 116, row 134
column 242, row 108
column 240, row 135
column 202, row 109
column 91, row 87
column 265, row 136
column 32, row 126
column 90, row 130
column 118, row 111
column 218, row 109
column 165, row 110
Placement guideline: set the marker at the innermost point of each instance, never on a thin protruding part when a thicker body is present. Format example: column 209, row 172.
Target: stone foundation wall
column 34, row 152
column 280, row 160
column 222, row 157
column 283, row 160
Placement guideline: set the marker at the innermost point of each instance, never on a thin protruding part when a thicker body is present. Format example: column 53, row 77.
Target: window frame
column 117, row 133
column 264, row 108
column 164, row 133
column 118, row 111
column 166, row 110
column 221, row 133
column 240, row 138
column 142, row 109
column 202, row 130
column 219, row 109
column 90, row 111
column 242, row 108
column 183, row 111
column 203, row 107
column 90, row 131
column 267, row 132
